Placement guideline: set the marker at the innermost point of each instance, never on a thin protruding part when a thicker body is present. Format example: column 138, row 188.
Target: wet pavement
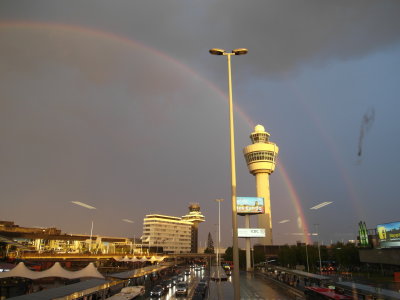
column 251, row 287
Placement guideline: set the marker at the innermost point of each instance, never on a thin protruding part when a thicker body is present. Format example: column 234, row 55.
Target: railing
column 66, row 256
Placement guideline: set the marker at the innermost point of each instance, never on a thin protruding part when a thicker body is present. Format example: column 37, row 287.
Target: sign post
column 247, row 206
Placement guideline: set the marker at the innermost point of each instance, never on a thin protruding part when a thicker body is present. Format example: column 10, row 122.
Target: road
column 250, row 287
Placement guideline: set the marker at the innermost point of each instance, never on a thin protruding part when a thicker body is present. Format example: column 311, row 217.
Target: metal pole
column 308, row 266
column 319, row 250
column 219, row 234
column 91, row 233
column 253, row 256
column 236, row 283
column 248, row 244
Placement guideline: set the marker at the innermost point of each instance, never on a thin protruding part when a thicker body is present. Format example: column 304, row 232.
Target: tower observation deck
column 261, row 160
column 195, row 217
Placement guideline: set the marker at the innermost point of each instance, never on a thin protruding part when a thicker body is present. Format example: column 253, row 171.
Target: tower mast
column 261, row 160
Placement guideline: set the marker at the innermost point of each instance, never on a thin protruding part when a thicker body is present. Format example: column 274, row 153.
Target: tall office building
column 261, row 160
column 195, row 217
column 171, row 234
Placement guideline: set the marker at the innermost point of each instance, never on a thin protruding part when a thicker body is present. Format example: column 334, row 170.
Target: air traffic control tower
column 195, row 216
column 261, row 160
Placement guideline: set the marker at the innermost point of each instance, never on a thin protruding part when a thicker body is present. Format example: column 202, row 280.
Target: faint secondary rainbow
column 296, row 202
column 67, row 28
column 333, row 149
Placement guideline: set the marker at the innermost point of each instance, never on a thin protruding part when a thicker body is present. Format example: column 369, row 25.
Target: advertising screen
column 249, row 205
column 251, row 232
column 389, row 234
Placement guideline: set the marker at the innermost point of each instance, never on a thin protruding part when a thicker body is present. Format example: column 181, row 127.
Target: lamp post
column 319, row 250
column 91, row 229
column 219, row 233
column 308, row 266
column 240, row 51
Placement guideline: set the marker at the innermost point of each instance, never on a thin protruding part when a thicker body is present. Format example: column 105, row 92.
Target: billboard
column 249, row 205
column 251, row 232
column 389, row 234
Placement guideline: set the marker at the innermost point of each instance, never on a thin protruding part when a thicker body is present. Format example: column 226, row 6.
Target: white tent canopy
column 55, row 271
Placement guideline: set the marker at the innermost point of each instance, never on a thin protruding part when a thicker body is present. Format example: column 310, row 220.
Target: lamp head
column 216, row 51
column 240, row 51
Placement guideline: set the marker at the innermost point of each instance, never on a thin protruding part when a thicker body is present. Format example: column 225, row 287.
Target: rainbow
column 66, row 28
column 303, row 225
column 351, row 190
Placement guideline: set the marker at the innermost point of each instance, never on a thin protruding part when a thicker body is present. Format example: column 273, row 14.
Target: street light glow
column 127, row 221
column 217, row 51
column 284, row 221
column 302, row 233
column 83, row 204
column 240, row 51
column 318, row 206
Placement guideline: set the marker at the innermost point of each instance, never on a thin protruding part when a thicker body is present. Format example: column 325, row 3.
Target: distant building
column 9, row 226
column 52, row 240
column 195, row 217
column 168, row 234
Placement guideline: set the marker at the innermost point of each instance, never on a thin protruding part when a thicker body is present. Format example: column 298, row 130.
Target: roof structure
column 63, row 291
column 56, row 270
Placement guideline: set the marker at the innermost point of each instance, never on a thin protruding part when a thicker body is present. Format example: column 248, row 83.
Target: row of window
column 260, row 156
column 260, row 137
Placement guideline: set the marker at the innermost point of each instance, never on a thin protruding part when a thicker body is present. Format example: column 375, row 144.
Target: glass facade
column 268, row 156
column 170, row 233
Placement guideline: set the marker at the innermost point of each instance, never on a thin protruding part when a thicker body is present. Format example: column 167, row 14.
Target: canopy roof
column 83, row 287
column 55, row 271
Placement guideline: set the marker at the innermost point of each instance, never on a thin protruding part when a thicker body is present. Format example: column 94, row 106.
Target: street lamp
column 219, row 233
column 236, row 283
column 308, row 266
column 91, row 229
column 319, row 250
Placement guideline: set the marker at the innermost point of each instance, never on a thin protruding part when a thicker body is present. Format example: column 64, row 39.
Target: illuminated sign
column 249, row 205
column 251, row 232
column 389, row 234
column 363, row 234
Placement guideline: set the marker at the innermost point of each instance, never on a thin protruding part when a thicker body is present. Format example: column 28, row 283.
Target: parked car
column 167, row 283
column 129, row 292
column 157, row 291
column 174, row 280
column 181, row 289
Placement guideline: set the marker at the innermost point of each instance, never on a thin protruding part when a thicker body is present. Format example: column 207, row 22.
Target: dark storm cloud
column 281, row 35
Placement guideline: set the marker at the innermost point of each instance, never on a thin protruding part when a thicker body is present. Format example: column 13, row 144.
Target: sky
column 118, row 104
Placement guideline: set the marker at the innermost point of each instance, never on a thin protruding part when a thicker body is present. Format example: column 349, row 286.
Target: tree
column 242, row 256
column 210, row 245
